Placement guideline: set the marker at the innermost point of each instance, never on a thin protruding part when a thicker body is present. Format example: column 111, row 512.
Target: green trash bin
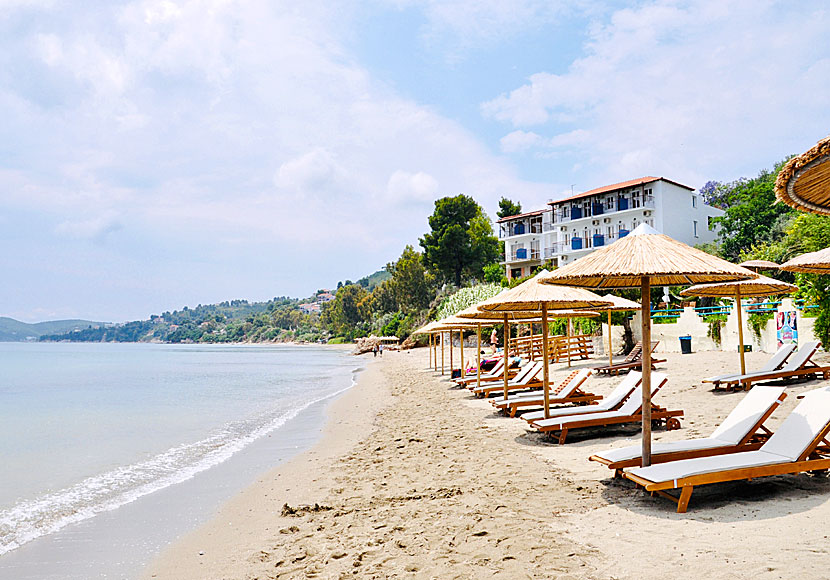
column 686, row 344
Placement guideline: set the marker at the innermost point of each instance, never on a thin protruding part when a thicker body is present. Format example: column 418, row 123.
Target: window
column 650, row 222
column 694, row 227
column 515, row 273
column 609, row 202
column 634, row 224
column 566, row 211
column 586, row 208
column 694, row 200
column 635, row 199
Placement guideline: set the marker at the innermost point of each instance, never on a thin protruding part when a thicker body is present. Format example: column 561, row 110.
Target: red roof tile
column 621, row 185
column 521, row 215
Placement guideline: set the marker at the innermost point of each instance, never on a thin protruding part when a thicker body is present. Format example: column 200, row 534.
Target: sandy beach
column 415, row 478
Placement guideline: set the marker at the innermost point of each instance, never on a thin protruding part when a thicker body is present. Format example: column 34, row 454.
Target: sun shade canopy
column 532, row 294
column 760, row 286
column 646, row 252
column 804, row 181
column 811, row 263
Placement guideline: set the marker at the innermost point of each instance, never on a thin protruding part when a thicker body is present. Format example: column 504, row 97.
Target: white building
column 574, row 226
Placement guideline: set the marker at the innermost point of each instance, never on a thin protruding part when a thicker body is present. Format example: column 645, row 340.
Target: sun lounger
column 494, row 374
column 797, row 446
column 799, row 365
column 613, row 401
column 569, row 391
column 526, row 379
column 629, row 412
column 513, row 373
column 634, row 360
column 742, row 430
column 773, row 364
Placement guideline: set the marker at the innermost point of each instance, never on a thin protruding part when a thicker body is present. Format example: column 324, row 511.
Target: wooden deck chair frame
column 660, row 416
column 630, row 362
column 815, row 458
column 576, row 397
column 523, row 385
column 807, row 369
column 721, row 379
column 756, row 436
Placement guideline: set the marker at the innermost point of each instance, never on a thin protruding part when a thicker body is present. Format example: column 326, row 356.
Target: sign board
column 787, row 326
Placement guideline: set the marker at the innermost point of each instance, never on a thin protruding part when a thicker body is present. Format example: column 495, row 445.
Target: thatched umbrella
column 804, row 181
column 534, row 296
column 760, row 286
column 758, row 265
column 428, row 329
column 449, row 324
column 810, row 263
column 476, row 316
column 618, row 304
column 643, row 258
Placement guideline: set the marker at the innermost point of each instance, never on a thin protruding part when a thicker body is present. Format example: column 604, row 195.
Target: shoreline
column 215, row 548
column 429, row 482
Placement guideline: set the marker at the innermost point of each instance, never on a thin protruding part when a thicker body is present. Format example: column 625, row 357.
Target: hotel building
column 573, row 227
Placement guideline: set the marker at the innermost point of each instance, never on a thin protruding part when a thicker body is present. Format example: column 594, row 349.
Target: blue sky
column 156, row 154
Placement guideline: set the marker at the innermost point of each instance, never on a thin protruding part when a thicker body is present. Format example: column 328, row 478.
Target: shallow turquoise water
column 88, row 428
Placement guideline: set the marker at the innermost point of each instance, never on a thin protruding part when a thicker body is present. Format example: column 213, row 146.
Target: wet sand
column 416, row 479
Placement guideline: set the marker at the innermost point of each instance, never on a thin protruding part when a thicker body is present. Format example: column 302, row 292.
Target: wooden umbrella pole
column 461, row 338
column 435, row 351
column 610, row 355
column 478, row 354
column 545, row 370
column 442, row 354
column 740, row 328
column 569, row 342
column 451, row 349
column 532, row 345
column 504, row 355
column 645, row 310
column 429, row 338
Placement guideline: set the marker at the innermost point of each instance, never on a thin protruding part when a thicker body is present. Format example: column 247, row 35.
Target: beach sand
column 415, row 479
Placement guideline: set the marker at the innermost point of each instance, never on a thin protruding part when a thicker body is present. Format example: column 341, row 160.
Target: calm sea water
column 86, row 429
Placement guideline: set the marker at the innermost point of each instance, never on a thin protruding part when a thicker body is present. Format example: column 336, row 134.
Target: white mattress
column 699, row 465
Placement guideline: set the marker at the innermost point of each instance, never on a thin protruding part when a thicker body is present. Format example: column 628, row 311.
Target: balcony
column 599, row 240
column 576, row 243
column 599, row 209
column 523, row 255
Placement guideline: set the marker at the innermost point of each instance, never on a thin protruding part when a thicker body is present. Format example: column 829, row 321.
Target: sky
column 161, row 154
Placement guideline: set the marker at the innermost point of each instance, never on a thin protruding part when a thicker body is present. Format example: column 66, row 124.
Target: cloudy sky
column 157, row 154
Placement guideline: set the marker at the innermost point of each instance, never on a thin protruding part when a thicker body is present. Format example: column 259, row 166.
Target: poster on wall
column 785, row 323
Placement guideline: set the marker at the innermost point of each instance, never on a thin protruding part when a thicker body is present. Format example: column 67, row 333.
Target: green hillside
column 12, row 330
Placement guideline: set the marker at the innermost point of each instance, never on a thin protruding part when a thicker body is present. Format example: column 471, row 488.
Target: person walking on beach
column 375, row 351
column 494, row 340
column 380, row 350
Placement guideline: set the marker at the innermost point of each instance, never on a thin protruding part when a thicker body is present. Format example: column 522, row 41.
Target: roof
column 521, row 215
column 621, row 185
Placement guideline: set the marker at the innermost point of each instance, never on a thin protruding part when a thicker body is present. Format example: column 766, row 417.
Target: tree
column 751, row 214
column 508, row 208
column 343, row 314
column 461, row 240
column 410, row 281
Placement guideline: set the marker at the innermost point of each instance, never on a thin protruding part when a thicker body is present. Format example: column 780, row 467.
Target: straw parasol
column 534, row 296
column 810, row 263
column 758, row 265
column 760, row 286
column 473, row 314
column 643, row 258
column 618, row 304
column 804, row 181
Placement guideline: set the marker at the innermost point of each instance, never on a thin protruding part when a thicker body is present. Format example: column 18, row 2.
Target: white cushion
column 802, row 426
column 674, row 470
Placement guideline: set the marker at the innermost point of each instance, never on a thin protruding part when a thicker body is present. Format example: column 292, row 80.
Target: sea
column 110, row 451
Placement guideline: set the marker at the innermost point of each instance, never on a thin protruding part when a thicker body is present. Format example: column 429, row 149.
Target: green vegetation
column 508, row 208
column 12, row 330
column 460, row 242
column 716, row 322
column 758, row 321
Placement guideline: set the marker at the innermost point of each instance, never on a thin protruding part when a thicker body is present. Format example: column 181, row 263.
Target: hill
column 12, row 330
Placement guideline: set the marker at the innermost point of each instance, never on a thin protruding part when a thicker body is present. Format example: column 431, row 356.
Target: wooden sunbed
column 633, row 361
column 613, row 401
column 742, row 430
column 629, row 412
column 494, row 374
column 526, row 379
column 568, row 391
column 800, row 365
column 799, row 445
column 775, row 362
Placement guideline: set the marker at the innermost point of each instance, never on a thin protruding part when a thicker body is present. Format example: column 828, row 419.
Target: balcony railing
column 597, row 209
column 523, row 254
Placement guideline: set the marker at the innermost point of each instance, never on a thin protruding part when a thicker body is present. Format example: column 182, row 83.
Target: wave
column 31, row 519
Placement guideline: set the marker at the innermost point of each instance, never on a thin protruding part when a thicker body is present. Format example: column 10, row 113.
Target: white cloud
column 412, row 188
column 689, row 90
column 90, row 228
